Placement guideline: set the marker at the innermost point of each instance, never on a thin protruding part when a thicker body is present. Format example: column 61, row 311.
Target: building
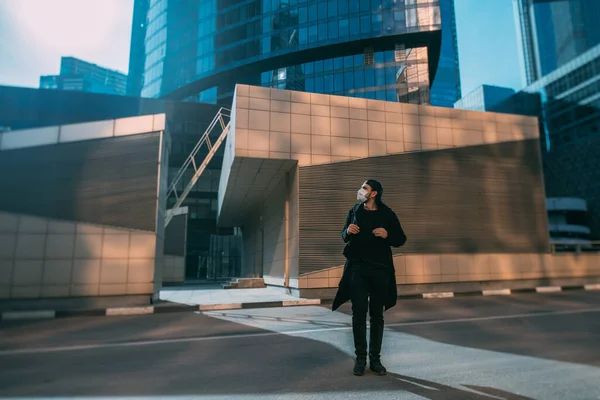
column 81, row 76
column 470, row 195
column 470, row 198
column 568, row 220
column 484, row 98
column 446, row 89
column 551, row 33
column 34, row 109
column 567, row 104
column 137, row 53
column 374, row 49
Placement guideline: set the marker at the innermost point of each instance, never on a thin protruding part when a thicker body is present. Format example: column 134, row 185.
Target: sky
column 34, row 34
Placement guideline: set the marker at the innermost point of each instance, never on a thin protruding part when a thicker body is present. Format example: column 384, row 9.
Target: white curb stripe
column 303, row 302
column 548, row 289
column 129, row 311
column 44, row 314
column 213, row 307
column 496, row 292
column 439, row 295
column 592, row 286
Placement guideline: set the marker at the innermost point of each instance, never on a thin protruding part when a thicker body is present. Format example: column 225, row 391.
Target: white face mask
column 362, row 195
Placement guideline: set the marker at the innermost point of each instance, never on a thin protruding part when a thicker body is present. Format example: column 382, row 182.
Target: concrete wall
column 274, row 127
column 413, row 269
column 85, row 214
column 47, row 258
column 173, row 269
column 271, row 235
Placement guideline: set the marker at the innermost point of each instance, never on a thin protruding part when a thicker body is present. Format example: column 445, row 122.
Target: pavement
column 211, row 296
column 524, row 346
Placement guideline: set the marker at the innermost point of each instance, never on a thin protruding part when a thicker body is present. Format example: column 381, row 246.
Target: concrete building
column 470, row 193
column 82, row 76
column 82, row 213
column 470, row 197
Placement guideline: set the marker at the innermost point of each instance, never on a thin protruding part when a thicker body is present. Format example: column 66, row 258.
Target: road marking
column 110, row 312
column 496, row 292
column 592, row 286
column 548, row 289
column 290, row 333
column 440, row 295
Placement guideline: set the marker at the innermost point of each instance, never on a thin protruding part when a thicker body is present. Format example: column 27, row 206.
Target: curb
column 147, row 310
column 172, row 308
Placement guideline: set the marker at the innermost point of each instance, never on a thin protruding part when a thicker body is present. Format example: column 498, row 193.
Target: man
column 371, row 229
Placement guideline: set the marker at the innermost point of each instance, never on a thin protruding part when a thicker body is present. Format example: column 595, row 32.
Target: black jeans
column 368, row 287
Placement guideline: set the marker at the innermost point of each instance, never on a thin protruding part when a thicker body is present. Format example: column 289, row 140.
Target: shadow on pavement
column 246, row 364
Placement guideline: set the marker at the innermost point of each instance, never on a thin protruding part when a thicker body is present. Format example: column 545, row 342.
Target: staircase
column 245, row 283
column 220, row 121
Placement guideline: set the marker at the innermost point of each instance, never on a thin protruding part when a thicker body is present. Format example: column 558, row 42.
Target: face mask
column 362, row 195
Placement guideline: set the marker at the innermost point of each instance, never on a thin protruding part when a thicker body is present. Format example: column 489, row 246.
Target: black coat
column 396, row 238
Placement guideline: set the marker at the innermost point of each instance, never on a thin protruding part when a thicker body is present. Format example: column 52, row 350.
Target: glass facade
column 553, row 32
column 189, row 41
column 446, row 89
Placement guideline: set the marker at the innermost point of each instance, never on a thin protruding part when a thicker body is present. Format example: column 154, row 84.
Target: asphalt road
column 530, row 346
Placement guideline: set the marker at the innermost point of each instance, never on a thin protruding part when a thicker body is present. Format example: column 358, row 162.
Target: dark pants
column 368, row 287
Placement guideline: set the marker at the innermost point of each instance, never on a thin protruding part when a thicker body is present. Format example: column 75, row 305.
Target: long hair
column 376, row 186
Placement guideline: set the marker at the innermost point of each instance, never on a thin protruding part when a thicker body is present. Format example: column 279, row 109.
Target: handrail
column 584, row 246
column 218, row 120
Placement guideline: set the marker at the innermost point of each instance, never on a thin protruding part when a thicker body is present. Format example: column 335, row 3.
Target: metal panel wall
column 108, row 181
column 480, row 199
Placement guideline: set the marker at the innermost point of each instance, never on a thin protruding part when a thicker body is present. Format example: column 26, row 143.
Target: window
column 343, row 6
column 338, row 82
column 333, row 30
column 365, row 24
column 332, row 8
column 344, row 28
column 354, row 26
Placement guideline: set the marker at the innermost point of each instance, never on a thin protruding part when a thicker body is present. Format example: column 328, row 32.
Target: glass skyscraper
column 553, row 32
column 377, row 49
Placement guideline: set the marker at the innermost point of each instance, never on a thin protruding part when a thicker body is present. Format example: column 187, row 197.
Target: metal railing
column 559, row 246
column 222, row 120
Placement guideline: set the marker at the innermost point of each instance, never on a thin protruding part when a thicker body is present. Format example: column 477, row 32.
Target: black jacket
column 396, row 238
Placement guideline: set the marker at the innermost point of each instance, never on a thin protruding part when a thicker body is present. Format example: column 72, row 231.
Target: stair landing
column 245, row 283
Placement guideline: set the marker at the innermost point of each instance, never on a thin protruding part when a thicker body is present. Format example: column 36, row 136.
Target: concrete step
column 245, row 283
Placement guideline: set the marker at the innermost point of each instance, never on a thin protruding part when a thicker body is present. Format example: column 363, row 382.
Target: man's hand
column 353, row 229
column 380, row 232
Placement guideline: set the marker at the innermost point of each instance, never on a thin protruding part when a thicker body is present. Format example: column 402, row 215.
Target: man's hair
column 376, row 186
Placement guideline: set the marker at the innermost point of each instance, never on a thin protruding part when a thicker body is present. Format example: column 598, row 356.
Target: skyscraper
column 82, row 76
column 446, row 87
column 376, row 49
column 137, row 54
column 553, row 32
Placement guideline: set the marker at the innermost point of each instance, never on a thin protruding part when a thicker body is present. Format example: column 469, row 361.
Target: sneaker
column 377, row 368
column 359, row 367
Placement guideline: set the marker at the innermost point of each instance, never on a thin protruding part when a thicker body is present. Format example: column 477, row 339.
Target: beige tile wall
column 444, row 268
column 316, row 128
column 49, row 258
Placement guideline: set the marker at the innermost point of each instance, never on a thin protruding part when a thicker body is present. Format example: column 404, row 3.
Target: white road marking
column 548, row 289
column 96, row 346
column 440, row 295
